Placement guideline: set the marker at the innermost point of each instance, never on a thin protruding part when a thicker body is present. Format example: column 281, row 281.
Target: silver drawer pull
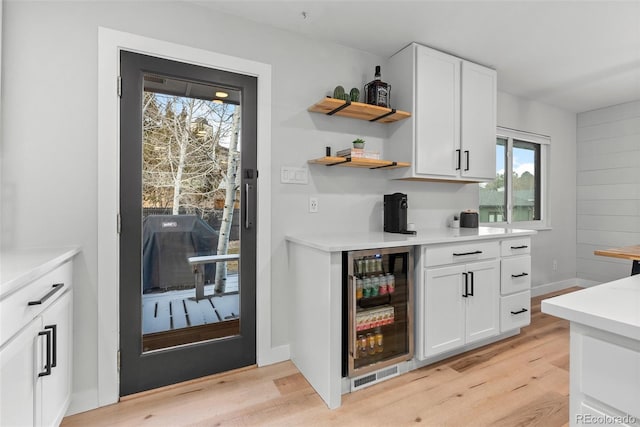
column 520, row 275
column 56, row 288
column 524, row 310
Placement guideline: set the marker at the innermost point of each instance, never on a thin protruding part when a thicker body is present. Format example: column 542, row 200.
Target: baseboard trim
column 585, row 283
column 555, row 286
column 83, row 401
column 275, row 355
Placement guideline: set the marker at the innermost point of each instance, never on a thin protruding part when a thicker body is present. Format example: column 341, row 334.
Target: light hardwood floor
column 520, row 381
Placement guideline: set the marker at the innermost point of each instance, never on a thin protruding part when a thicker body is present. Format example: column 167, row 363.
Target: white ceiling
column 577, row 55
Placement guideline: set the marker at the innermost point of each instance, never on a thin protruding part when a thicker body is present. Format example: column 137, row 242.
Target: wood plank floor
column 521, row 381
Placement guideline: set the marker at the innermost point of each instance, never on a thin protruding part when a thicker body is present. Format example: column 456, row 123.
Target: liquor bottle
column 377, row 92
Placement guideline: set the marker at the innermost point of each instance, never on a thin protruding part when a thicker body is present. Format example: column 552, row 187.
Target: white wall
column 559, row 243
column 608, row 156
column 50, row 144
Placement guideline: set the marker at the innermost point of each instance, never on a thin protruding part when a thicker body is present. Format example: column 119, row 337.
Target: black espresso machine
column 395, row 213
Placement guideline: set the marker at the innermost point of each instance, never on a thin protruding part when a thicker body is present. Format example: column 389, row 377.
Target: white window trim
column 544, row 141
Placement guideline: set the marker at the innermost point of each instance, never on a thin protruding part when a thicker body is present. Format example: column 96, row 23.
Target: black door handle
column 467, row 154
column 47, row 366
column 459, row 159
column 524, row 310
column 56, row 288
column 466, row 285
column 467, row 253
column 519, row 247
column 519, row 275
column 471, row 275
column 54, row 345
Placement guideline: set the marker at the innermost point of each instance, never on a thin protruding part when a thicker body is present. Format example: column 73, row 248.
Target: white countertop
column 613, row 307
column 19, row 267
column 349, row 241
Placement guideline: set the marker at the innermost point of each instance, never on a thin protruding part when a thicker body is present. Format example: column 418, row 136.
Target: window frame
column 545, row 147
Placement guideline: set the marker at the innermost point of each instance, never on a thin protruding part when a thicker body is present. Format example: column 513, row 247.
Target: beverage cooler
column 377, row 312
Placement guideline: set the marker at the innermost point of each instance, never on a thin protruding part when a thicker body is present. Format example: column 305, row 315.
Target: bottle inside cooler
column 378, row 326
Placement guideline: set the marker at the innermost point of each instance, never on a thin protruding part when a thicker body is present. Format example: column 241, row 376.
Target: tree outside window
column 516, row 194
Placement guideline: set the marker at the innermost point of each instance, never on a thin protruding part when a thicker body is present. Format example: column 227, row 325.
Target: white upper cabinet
column 452, row 132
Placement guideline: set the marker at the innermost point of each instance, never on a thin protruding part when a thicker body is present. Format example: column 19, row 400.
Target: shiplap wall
column 608, row 193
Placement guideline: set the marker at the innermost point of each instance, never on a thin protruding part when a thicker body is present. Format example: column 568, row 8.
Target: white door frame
column 110, row 42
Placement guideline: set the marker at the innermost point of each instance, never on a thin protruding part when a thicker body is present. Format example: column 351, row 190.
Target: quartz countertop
column 613, row 307
column 19, row 267
column 349, row 241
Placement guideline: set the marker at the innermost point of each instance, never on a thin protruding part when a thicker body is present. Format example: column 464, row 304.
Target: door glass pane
column 190, row 204
column 493, row 197
column 526, row 181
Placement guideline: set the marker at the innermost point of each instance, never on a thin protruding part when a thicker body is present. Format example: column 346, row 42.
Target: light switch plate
column 294, row 175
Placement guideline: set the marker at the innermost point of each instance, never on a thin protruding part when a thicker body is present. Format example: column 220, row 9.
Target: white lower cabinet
column 460, row 305
column 471, row 291
column 35, row 362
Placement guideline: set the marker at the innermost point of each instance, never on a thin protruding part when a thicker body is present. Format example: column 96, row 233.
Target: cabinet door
column 18, row 372
column 444, row 306
column 437, row 113
column 56, row 388
column 483, row 307
column 478, row 139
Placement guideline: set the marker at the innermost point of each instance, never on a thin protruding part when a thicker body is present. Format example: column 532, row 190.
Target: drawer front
column 15, row 311
column 515, row 274
column 515, row 311
column 515, row 246
column 611, row 374
column 460, row 253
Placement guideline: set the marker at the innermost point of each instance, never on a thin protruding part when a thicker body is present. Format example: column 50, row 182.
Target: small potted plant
column 358, row 143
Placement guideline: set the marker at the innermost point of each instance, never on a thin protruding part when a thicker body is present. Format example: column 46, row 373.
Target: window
column 517, row 195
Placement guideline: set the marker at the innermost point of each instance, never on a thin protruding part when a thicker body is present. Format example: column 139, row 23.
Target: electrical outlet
column 555, row 265
column 313, row 204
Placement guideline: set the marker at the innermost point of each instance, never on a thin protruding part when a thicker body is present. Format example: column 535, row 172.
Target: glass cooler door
column 379, row 313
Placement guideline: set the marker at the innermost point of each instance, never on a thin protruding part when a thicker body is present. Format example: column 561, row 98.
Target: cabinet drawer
column 15, row 311
column 458, row 253
column 515, row 247
column 611, row 374
column 515, row 311
column 515, row 274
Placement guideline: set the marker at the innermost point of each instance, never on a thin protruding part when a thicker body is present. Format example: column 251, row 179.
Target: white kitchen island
column 315, row 274
column 605, row 351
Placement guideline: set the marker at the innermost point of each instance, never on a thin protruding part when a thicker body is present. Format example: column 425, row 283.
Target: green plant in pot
column 358, row 143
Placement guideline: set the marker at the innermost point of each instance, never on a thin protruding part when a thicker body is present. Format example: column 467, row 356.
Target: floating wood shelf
column 359, row 163
column 358, row 110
